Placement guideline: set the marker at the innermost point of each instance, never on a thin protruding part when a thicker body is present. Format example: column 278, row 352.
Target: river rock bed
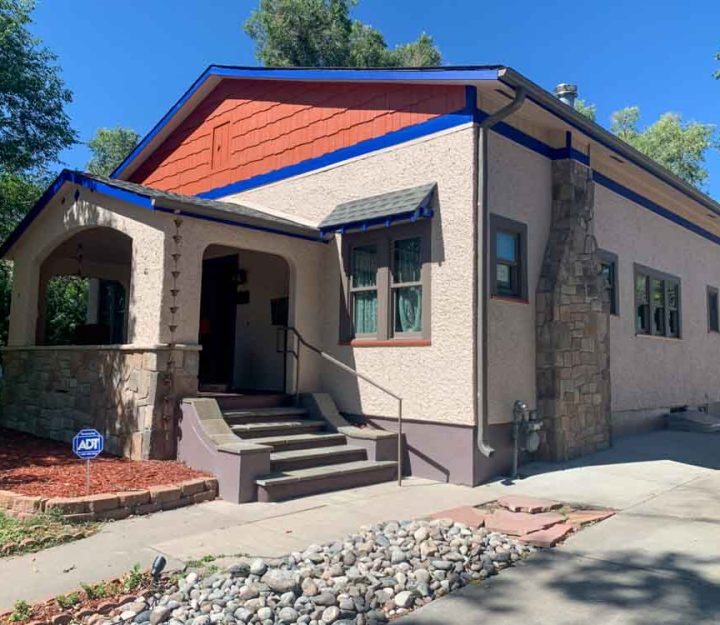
column 384, row 571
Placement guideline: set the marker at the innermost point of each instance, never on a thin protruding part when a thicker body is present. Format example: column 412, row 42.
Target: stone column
column 572, row 319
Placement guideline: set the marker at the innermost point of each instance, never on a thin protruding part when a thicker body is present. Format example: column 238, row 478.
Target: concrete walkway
column 657, row 561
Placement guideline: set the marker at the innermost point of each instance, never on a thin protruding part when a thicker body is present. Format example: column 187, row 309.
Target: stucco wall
column 651, row 372
column 520, row 188
column 435, row 380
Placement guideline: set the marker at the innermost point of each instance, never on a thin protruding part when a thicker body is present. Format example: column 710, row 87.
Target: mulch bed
column 37, row 466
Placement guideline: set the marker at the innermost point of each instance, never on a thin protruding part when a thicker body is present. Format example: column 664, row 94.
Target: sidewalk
column 665, row 538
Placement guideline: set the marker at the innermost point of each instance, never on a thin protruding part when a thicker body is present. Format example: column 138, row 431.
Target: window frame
column 712, row 294
column 499, row 223
column 384, row 239
column 353, row 290
column 667, row 280
column 610, row 258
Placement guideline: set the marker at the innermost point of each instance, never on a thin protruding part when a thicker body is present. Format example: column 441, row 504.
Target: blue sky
column 126, row 63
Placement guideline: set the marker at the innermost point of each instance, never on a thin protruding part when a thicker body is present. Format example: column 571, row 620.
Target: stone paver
column 548, row 537
column 519, row 523
column 580, row 518
column 523, row 503
column 472, row 517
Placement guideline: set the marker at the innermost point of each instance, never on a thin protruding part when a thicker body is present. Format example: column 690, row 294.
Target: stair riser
column 244, row 419
column 320, row 461
column 247, row 402
column 325, row 484
column 288, row 431
column 311, row 444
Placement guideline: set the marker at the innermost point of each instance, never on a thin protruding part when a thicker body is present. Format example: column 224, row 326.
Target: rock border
column 111, row 506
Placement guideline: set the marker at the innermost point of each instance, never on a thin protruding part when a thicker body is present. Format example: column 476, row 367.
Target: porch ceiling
column 153, row 199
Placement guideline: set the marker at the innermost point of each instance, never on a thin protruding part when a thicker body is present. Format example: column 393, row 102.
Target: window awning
column 381, row 210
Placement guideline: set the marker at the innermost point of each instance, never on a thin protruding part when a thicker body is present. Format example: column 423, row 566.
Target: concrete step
column 253, row 415
column 302, row 482
column 301, row 441
column 277, row 428
column 320, row 456
column 242, row 401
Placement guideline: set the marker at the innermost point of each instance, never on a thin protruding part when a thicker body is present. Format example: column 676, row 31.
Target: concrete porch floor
column 658, row 560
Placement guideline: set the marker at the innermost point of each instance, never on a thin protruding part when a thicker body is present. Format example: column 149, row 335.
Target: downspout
column 482, row 276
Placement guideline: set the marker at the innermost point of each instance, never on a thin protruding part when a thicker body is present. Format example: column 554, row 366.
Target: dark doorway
column 218, row 308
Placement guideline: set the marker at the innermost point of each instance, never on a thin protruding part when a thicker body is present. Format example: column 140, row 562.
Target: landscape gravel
column 384, row 571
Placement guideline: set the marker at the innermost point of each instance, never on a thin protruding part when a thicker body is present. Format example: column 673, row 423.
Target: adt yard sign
column 88, row 444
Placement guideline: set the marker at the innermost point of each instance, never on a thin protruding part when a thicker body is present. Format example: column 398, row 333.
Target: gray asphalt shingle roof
column 378, row 207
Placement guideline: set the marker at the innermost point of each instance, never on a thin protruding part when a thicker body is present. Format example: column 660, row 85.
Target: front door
column 218, row 307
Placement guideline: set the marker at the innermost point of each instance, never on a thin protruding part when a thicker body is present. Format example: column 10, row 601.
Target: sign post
column 87, row 445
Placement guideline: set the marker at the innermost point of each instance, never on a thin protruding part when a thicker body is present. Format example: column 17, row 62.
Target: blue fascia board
column 77, row 178
column 387, row 221
column 230, row 222
column 325, row 75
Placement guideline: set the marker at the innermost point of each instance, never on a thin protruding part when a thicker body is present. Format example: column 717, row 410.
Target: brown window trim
column 384, row 238
column 713, row 324
column 498, row 223
column 611, row 259
column 667, row 279
column 391, row 343
column 510, row 299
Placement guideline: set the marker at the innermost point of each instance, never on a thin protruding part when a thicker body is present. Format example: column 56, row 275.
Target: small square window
column 508, row 257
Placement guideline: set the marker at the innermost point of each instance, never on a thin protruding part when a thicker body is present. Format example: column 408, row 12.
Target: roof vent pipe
column 567, row 92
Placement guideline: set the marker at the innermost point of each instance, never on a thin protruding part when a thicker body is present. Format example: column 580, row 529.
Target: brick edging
column 112, row 505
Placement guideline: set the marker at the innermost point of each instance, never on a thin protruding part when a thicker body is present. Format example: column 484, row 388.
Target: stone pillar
column 572, row 319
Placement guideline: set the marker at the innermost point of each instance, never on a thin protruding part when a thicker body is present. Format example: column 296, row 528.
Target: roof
column 412, row 203
column 462, row 74
column 164, row 201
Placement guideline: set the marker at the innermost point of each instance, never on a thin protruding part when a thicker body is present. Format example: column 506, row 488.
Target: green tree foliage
column 66, row 308
column 677, row 145
column 321, row 33
column 109, row 148
column 586, row 109
column 34, row 126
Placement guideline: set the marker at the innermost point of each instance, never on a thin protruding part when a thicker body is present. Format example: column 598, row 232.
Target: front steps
column 307, row 457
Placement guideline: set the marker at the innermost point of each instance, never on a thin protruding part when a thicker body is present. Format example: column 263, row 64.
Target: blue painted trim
column 330, row 75
column 431, row 126
column 635, row 197
column 421, row 212
column 77, row 178
column 230, row 222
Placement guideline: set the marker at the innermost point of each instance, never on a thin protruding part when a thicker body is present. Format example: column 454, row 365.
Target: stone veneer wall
column 572, row 324
column 127, row 393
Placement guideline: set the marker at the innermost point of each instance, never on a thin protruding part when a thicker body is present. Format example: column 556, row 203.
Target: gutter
column 481, row 283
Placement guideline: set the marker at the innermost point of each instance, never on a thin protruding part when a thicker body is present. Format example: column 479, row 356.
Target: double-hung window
column 657, row 303
column 387, row 283
column 508, row 258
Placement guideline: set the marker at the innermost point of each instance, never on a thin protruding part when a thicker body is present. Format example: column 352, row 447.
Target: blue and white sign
column 88, row 444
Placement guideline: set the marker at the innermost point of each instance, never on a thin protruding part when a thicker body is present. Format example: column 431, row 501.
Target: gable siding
column 280, row 123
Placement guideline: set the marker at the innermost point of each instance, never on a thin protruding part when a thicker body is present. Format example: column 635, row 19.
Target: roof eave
column 595, row 131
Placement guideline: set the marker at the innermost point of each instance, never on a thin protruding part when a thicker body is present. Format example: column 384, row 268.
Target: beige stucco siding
column 435, row 380
column 651, row 372
column 520, row 188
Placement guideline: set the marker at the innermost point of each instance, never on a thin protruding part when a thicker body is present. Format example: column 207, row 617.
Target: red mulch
column 37, row 466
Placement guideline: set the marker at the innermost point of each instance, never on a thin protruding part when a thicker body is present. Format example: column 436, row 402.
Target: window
column 508, row 257
column 657, row 303
column 712, row 307
column 387, row 283
column 363, row 289
column 608, row 271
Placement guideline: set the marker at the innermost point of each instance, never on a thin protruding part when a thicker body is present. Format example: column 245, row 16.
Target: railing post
column 399, row 443
column 297, row 371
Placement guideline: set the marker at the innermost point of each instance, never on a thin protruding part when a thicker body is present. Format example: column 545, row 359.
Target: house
column 458, row 237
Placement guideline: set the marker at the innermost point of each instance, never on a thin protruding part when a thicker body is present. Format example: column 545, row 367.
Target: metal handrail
column 301, row 341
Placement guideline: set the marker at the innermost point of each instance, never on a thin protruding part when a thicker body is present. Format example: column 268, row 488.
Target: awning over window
column 381, row 210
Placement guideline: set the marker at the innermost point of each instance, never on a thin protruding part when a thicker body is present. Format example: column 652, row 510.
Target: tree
column 321, row 33
column 109, row 148
column 679, row 146
column 586, row 109
column 34, row 126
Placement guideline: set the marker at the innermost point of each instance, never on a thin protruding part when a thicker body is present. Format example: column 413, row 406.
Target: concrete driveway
column 656, row 562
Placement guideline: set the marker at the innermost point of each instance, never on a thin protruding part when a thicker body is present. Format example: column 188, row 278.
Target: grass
column 19, row 536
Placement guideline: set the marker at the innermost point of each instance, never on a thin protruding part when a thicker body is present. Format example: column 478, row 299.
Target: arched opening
column 245, row 300
column 84, row 290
